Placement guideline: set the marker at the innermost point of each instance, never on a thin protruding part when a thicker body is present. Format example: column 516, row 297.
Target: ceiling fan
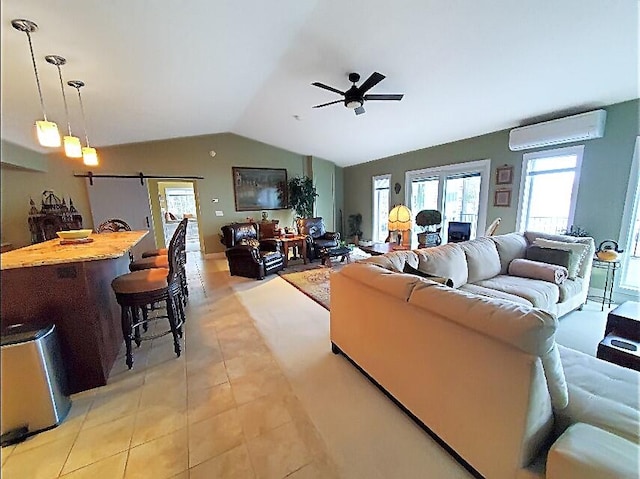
column 355, row 96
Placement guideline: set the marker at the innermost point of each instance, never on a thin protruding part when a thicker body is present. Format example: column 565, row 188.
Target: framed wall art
column 504, row 175
column 260, row 188
column 502, row 198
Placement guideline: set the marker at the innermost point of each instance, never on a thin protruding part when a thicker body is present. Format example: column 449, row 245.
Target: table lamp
column 400, row 222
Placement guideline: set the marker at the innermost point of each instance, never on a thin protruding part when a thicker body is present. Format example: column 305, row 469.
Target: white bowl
column 74, row 234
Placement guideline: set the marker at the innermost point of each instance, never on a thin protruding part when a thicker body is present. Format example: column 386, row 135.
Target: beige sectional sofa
column 481, row 370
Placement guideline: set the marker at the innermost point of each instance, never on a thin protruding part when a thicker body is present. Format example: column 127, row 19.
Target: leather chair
column 248, row 256
column 318, row 238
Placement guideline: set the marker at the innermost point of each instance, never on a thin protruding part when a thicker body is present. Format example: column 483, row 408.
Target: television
column 458, row 231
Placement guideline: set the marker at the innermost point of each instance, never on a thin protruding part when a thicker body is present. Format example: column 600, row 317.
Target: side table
column 621, row 344
column 610, row 268
column 300, row 241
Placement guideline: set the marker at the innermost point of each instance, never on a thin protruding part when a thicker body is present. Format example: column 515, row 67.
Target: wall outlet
column 219, row 213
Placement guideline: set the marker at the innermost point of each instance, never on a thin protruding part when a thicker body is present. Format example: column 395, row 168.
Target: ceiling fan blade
column 327, row 87
column 359, row 110
column 330, row 103
column 384, row 97
column 370, row 82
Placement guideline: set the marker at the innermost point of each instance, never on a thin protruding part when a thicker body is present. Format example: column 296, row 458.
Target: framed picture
column 502, row 198
column 504, row 175
column 257, row 189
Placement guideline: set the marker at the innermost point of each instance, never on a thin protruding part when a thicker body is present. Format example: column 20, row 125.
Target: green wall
column 174, row 157
column 603, row 181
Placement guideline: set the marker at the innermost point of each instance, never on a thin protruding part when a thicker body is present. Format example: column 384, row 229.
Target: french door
column 459, row 192
column 629, row 281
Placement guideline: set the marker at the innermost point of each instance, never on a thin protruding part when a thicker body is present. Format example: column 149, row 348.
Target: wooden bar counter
column 70, row 286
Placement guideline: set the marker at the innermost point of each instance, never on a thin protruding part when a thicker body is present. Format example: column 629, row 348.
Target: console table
column 377, row 249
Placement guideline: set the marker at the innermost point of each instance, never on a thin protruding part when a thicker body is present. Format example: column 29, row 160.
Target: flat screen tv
column 458, row 231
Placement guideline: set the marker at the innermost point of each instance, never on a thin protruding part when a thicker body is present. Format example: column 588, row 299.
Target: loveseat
column 483, row 373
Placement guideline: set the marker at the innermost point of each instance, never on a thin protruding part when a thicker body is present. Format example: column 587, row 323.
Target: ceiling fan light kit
column 355, row 96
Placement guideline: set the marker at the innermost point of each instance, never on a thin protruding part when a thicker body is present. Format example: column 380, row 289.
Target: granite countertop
column 104, row 246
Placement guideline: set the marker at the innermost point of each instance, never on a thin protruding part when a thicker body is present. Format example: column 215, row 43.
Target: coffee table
column 327, row 253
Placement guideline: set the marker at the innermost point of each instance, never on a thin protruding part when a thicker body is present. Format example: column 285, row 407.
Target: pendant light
column 47, row 131
column 72, row 146
column 89, row 155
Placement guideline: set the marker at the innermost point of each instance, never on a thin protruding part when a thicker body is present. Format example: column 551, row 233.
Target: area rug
column 312, row 282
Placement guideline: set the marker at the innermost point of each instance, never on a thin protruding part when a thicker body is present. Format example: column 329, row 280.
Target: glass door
column 460, row 192
column 630, row 277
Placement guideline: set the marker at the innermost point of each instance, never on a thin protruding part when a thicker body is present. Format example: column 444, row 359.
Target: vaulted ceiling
column 157, row 69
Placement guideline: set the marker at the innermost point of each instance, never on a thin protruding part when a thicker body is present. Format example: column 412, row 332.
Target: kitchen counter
column 70, row 286
column 104, row 246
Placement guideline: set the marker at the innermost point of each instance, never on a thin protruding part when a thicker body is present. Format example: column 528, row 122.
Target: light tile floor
column 224, row 409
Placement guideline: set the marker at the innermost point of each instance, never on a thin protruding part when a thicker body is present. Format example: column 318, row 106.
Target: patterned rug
column 312, row 282
column 313, row 278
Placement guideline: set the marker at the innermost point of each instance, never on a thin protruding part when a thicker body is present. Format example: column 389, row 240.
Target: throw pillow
column 438, row 279
column 254, row 243
column 578, row 251
column 525, row 268
column 559, row 257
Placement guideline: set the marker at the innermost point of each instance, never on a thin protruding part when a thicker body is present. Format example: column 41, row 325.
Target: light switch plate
column 219, row 213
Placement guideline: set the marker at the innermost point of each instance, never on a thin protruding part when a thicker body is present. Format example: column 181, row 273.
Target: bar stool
column 139, row 290
column 162, row 260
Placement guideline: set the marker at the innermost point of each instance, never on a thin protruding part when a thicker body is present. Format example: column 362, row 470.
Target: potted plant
column 302, row 196
column 430, row 222
column 355, row 224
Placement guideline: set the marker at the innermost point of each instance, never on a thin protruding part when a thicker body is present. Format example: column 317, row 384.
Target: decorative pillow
column 254, row 243
column 526, row 268
column 438, row 279
column 578, row 252
column 559, row 257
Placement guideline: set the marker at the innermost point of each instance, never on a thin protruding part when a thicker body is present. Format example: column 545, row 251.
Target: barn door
column 126, row 199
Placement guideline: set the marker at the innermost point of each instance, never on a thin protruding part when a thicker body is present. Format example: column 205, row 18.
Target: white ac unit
column 584, row 126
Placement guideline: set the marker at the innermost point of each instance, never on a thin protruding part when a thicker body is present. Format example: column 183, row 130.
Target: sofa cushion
column 601, row 394
column 548, row 255
column 541, row 294
column 570, row 288
column 578, row 252
column 483, row 261
column 494, row 293
column 438, row 279
column 510, row 247
column 526, row 268
column 447, row 261
column 395, row 260
column 585, row 266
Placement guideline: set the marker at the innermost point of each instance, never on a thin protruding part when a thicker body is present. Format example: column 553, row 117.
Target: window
column 630, row 277
column 458, row 191
column 180, row 201
column 381, row 188
column 549, row 188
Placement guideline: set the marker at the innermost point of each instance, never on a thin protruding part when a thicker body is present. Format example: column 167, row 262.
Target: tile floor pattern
column 223, row 409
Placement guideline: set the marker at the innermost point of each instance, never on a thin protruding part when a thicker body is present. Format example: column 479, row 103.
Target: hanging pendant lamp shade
column 72, row 146
column 47, row 131
column 89, row 155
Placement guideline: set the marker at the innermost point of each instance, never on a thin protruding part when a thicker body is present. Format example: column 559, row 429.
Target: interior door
column 126, row 199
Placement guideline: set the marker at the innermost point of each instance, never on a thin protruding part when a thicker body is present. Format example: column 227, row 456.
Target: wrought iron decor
column 260, row 188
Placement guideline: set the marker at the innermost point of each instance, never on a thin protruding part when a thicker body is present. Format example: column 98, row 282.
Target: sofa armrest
column 587, row 452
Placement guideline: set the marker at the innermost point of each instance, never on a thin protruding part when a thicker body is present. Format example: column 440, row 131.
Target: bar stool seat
column 141, row 281
column 150, row 262
column 156, row 252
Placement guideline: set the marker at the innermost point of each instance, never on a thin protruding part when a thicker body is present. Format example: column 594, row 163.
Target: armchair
column 248, row 256
column 317, row 236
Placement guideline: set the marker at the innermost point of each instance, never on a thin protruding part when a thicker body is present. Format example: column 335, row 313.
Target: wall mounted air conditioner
column 584, row 126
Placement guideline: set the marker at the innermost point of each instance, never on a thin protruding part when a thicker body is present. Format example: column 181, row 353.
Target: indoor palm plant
column 302, row 196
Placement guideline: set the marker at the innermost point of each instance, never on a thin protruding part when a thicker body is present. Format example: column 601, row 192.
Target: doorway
column 177, row 200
